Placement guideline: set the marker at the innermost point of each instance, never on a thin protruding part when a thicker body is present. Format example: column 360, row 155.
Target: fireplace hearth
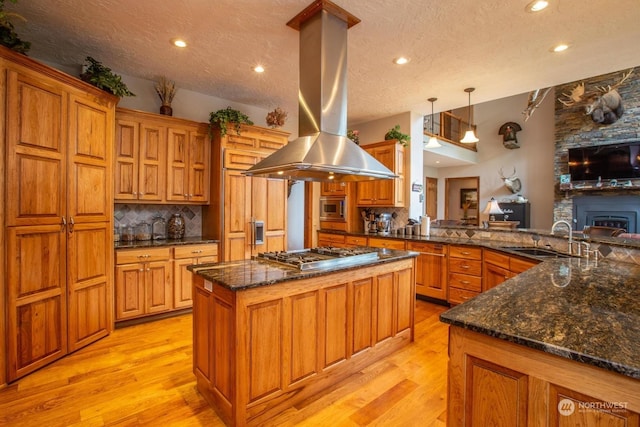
column 607, row 211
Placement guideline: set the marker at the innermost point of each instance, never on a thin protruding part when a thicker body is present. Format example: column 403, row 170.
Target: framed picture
column 469, row 195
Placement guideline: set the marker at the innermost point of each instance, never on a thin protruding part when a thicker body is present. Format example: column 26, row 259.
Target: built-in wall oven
column 333, row 208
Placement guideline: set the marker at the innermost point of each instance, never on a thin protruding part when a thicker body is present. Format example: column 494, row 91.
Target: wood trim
column 309, row 229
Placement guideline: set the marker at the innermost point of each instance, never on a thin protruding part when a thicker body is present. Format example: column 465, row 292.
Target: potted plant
column 166, row 90
column 222, row 118
column 8, row 35
column 394, row 133
column 103, row 78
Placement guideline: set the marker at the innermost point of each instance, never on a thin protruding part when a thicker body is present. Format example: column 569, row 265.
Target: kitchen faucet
column 568, row 225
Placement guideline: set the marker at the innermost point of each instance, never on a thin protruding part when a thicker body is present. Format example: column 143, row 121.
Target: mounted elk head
column 604, row 105
column 512, row 183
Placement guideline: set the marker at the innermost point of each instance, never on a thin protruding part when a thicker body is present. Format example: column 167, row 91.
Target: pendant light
column 433, row 141
column 469, row 136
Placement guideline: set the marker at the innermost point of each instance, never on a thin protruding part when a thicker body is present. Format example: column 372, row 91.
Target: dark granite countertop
column 251, row 273
column 162, row 243
column 569, row 307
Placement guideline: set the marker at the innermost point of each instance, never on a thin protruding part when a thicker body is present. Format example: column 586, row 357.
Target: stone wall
column 573, row 128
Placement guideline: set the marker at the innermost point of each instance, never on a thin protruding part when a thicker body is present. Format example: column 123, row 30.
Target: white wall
column 533, row 160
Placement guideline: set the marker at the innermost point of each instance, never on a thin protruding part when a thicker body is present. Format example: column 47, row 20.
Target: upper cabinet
column 161, row 159
column 338, row 189
column 385, row 192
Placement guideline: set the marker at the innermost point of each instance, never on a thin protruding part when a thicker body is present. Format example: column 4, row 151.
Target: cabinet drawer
column 356, row 240
column 195, row 251
column 386, row 243
column 131, row 256
column 497, row 258
column 429, row 248
column 235, row 159
column 465, row 266
column 465, row 281
column 333, row 238
column 458, row 296
column 465, row 252
column 333, row 225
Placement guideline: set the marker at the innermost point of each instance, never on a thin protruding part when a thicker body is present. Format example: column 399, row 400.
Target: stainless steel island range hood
column 322, row 152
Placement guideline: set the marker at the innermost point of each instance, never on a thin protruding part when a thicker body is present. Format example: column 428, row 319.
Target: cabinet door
column 89, row 251
column 36, row 298
column 177, row 165
column 431, row 270
column 494, row 275
column 384, row 189
column 126, row 164
column 158, row 287
column 90, row 184
column 269, row 204
column 36, row 135
column 333, row 189
column 237, row 215
column 130, row 290
column 182, row 295
column 199, row 167
column 152, row 162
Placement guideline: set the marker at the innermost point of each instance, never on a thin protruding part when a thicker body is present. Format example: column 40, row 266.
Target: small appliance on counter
column 384, row 223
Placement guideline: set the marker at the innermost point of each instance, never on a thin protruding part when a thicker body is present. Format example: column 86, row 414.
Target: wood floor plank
column 142, row 376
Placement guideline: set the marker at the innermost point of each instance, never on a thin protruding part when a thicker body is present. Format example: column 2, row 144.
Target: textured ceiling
column 493, row 45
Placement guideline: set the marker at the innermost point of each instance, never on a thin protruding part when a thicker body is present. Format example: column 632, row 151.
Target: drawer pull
column 465, row 253
column 465, row 282
column 433, row 254
column 464, row 266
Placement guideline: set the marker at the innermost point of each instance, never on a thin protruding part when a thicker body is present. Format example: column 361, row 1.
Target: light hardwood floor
column 141, row 375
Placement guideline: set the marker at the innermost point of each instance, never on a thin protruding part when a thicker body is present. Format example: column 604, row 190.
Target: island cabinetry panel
column 58, row 213
column 384, row 192
column 261, row 350
column 184, row 256
column 431, row 269
column 143, row 282
column 498, row 383
column 465, row 273
column 247, row 214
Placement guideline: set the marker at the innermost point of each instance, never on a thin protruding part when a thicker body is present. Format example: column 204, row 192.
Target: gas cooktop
column 322, row 257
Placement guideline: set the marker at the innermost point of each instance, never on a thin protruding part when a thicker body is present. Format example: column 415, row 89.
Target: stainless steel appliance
column 333, row 208
column 322, row 257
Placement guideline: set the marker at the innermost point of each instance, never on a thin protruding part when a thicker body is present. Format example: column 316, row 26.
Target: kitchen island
column 268, row 335
column 556, row 345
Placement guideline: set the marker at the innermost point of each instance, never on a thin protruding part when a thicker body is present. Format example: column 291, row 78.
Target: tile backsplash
column 125, row 214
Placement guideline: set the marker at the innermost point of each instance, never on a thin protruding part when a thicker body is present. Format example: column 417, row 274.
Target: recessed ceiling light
column 401, row 60
column 560, row 48
column 258, row 69
column 179, row 43
column 536, row 6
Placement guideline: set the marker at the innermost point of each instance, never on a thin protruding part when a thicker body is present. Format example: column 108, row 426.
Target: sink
column 538, row 252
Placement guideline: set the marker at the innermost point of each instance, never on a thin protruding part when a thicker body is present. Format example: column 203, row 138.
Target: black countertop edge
column 163, row 243
column 565, row 353
column 225, row 273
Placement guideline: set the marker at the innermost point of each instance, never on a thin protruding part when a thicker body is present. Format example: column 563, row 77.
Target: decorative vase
column 166, row 110
column 175, row 226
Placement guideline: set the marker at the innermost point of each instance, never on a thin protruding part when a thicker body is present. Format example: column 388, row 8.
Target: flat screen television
column 612, row 161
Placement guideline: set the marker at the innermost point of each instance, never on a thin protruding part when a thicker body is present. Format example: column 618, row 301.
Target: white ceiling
column 493, row 45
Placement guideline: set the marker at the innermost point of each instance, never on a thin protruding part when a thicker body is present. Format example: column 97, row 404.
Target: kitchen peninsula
column 268, row 335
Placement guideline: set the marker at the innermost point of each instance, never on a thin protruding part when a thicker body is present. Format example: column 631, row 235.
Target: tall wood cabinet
column 385, row 192
column 239, row 203
column 58, row 139
column 161, row 159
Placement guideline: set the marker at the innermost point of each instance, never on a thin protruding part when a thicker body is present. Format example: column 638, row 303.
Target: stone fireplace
column 608, row 211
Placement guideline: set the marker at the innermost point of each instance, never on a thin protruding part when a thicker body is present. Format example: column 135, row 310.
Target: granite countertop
column 162, row 243
column 580, row 310
column 251, row 273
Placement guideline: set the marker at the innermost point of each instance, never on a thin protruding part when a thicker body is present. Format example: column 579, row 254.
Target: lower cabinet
column 381, row 242
column 155, row 280
column 431, row 269
column 465, row 273
column 329, row 239
column 492, row 382
column 498, row 267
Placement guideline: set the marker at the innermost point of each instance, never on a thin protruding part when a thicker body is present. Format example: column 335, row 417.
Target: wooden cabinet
column 240, row 204
column 143, row 282
column 381, row 242
column 498, row 267
column 385, row 192
column 184, row 256
column 161, row 159
column 355, row 241
column 465, row 273
column 531, row 387
column 328, row 239
column 333, row 188
column 58, row 141
column 431, row 269
column 261, row 350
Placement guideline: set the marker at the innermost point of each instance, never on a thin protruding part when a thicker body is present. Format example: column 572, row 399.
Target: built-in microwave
column 333, row 208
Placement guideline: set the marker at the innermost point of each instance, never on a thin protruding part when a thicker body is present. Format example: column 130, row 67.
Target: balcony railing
column 450, row 128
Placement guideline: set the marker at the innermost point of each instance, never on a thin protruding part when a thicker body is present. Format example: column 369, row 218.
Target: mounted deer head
column 512, row 183
column 604, row 105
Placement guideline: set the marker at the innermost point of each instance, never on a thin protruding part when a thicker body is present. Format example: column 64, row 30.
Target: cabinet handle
column 142, row 269
column 465, row 297
column 141, row 194
column 465, row 253
column 434, row 254
column 464, row 266
column 64, row 224
column 71, row 224
column 465, row 282
column 135, row 193
column 190, row 195
column 186, row 195
column 148, row 269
